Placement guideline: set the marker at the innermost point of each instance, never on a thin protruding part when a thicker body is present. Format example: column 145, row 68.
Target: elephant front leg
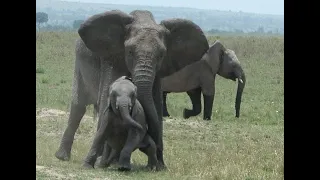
column 208, row 98
column 150, row 149
column 208, row 90
column 78, row 109
column 157, row 98
column 96, row 145
column 165, row 110
column 195, row 97
column 208, row 104
column 131, row 144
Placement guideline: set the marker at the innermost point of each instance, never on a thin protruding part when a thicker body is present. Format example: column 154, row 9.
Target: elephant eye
column 130, row 52
column 161, row 54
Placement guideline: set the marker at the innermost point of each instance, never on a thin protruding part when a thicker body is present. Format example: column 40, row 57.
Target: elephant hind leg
column 195, row 97
column 109, row 156
column 77, row 111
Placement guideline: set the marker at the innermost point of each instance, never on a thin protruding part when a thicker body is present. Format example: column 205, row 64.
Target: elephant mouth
column 232, row 76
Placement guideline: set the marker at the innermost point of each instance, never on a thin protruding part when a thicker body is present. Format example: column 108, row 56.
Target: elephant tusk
column 240, row 80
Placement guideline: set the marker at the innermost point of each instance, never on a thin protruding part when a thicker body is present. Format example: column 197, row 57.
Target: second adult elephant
column 200, row 77
column 115, row 44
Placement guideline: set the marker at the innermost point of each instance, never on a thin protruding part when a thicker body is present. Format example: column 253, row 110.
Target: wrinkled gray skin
column 114, row 44
column 218, row 60
column 124, row 127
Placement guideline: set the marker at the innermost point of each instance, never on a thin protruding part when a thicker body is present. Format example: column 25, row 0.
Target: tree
column 41, row 17
column 77, row 23
column 260, row 29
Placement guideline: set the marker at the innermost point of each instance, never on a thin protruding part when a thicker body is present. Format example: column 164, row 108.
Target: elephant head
column 226, row 64
column 122, row 99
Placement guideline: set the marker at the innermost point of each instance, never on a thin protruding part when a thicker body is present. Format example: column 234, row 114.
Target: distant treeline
column 43, row 25
column 49, row 27
column 64, row 13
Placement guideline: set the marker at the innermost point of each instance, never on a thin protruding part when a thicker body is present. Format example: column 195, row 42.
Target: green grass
column 250, row 147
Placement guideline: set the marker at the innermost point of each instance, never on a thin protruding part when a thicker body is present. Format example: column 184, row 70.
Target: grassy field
column 248, row 148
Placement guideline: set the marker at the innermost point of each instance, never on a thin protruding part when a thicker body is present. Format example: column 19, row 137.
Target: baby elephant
column 124, row 128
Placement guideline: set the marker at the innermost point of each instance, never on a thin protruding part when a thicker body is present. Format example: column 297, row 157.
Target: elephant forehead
column 146, row 35
column 230, row 52
column 124, row 86
column 232, row 55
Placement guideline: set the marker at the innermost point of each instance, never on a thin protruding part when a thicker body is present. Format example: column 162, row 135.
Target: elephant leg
column 77, row 111
column 114, row 155
column 151, row 151
column 208, row 104
column 101, row 149
column 97, row 145
column 165, row 110
column 132, row 142
column 195, row 97
column 208, row 91
column 108, row 156
column 105, row 155
column 157, row 98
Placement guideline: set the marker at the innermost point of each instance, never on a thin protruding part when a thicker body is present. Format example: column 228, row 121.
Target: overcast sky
column 254, row 6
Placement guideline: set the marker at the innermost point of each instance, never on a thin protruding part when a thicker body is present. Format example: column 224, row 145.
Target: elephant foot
column 105, row 163
column 155, row 166
column 150, row 167
column 186, row 113
column 102, row 165
column 161, row 167
column 114, row 161
column 166, row 114
column 207, row 118
column 161, row 164
column 87, row 166
column 124, row 167
column 62, row 155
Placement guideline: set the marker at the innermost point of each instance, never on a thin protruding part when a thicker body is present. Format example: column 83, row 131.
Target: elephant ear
column 187, row 42
column 216, row 53
column 108, row 106
column 104, row 32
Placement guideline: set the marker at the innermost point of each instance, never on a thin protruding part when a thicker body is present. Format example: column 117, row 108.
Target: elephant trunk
column 143, row 77
column 241, row 84
column 125, row 114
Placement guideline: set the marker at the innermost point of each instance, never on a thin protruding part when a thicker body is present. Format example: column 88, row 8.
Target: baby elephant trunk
column 125, row 114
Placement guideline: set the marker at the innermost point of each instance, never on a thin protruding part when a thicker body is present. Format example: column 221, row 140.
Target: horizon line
column 170, row 7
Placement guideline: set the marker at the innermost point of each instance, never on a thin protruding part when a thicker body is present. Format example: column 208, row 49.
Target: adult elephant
column 114, row 44
column 200, row 77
